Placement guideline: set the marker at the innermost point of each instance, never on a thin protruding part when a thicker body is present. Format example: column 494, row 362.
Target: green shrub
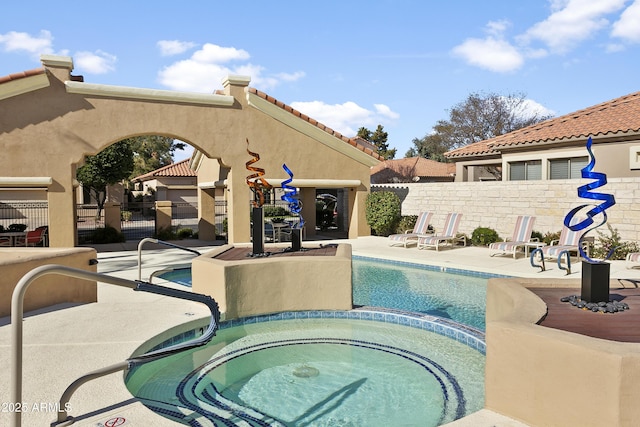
column 107, row 234
column 184, row 233
column 126, row 215
column 165, row 233
column 536, row 236
column 483, row 236
column 382, row 212
column 407, row 222
column 550, row 237
column 605, row 243
column 270, row 211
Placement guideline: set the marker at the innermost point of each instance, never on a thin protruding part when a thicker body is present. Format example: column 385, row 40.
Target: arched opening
column 130, row 178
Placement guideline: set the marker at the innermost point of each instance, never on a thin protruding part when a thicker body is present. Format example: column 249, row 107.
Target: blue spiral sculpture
column 290, row 196
column 585, row 192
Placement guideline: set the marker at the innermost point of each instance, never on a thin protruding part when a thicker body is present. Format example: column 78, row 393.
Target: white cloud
column 529, row 107
column 490, row 53
column 571, row 22
column 346, row 118
column 14, row 41
column 385, row 111
column 211, row 53
column 209, row 65
column 628, row 26
column 97, row 62
column 174, row 47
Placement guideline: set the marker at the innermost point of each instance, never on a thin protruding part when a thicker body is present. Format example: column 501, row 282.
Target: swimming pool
column 335, row 368
column 459, row 296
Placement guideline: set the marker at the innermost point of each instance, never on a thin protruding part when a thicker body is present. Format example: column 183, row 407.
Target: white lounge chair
column 569, row 242
column 521, row 238
column 447, row 236
column 633, row 259
column 411, row 236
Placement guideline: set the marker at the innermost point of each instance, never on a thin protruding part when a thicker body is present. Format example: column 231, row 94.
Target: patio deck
column 621, row 326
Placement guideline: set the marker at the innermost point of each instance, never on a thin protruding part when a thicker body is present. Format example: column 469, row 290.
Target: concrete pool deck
column 67, row 341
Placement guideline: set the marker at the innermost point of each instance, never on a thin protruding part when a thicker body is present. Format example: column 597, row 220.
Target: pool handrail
column 17, row 312
column 160, row 242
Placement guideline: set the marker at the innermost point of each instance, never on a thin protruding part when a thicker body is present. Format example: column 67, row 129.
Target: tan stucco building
column 50, row 120
column 555, row 148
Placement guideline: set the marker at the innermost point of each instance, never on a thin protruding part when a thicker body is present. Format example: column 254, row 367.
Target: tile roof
column 416, row 166
column 21, row 75
column 179, row 169
column 356, row 141
column 613, row 118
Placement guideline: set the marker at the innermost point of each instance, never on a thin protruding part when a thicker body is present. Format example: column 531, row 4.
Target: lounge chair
column 521, row 238
column 411, row 236
column 448, row 234
column 569, row 242
column 633, row 259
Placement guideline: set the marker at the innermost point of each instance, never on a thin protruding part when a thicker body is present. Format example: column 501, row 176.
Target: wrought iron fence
column 29, row 213
column 220, row 217
column 138, row 220
column 184, row 215
column 88, row 218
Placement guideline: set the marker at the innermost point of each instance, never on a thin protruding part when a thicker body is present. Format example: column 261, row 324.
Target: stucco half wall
column 62, row 119
column 548, row 377
column 265, row 285
column 50, row 289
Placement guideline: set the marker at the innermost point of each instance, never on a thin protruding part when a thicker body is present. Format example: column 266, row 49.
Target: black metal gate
column 138, row 220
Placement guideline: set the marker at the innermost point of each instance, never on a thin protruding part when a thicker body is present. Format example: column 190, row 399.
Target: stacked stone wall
column 496, row 204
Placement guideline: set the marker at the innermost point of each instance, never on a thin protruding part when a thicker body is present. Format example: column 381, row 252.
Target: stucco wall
column 290, row 283
column 69, row 119
column 496, row 204
column 50, row 289
column 548, row 377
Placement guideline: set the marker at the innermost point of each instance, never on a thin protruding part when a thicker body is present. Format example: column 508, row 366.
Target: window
column 567, row 168
column 529, row 170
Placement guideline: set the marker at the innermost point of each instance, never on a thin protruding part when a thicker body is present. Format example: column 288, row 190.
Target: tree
column 108, row 167
column 151, row 152
column 379, row 139
column 477, row 118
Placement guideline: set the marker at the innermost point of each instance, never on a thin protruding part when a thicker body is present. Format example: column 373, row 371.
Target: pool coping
column 459, row 332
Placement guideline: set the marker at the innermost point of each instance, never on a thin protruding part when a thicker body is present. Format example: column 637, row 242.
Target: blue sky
column 399, row 63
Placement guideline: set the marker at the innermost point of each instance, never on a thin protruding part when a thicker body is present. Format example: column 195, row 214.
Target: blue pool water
column 363, row 367
column 408, row 287
column 411, row 355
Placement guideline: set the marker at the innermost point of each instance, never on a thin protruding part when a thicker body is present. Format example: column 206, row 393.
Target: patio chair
column 37, row 237
column 567, row 243
column 633, row 259
column 411, row 236
column 521, row 238
column 447, row 236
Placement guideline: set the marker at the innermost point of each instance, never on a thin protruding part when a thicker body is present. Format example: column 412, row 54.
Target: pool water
column 407, row 287
column 333, row 371
column 420, row 289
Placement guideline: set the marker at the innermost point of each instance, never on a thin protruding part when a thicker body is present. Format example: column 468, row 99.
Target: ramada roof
column 355, row 141
column 611, row 120
column 23, row 74
column 416, row 166
column 179, row 169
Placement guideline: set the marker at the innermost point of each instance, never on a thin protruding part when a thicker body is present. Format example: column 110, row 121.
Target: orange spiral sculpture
column 259, row 183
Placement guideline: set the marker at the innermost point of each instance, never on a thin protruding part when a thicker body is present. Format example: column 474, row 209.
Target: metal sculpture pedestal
column 258, row 230
column 296, row 239
column 595, row 281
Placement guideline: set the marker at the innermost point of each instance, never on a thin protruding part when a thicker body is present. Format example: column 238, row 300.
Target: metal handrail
column 17, row 311
column 161, row 242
